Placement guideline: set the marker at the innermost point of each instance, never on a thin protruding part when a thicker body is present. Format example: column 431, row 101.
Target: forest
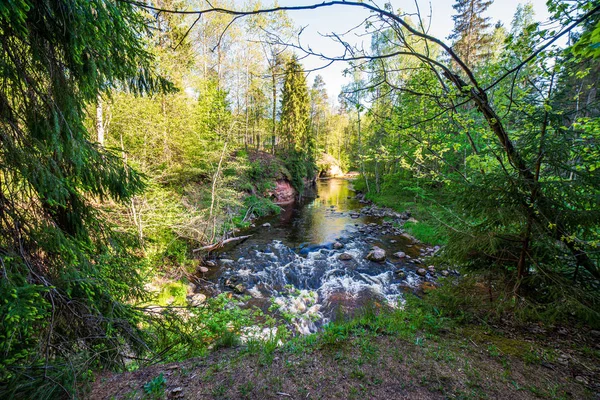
column 183, row 200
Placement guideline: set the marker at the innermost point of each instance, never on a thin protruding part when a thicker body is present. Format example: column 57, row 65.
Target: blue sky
column 342, row 18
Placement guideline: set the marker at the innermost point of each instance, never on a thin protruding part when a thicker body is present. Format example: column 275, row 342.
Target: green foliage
column 425, row 233
column 156, row 387
column 295, row 107
column 172, row 294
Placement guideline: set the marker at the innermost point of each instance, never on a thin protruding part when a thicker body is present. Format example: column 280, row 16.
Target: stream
column 291, row 266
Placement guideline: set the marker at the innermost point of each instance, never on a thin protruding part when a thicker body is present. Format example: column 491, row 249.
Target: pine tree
column 471, row 39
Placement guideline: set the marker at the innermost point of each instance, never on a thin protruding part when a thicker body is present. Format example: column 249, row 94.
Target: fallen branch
column 220, row 244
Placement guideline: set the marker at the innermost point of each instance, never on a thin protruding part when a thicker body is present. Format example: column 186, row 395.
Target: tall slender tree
column 295, row 107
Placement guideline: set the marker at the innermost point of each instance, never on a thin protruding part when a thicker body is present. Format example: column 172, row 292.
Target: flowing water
column 289, row 265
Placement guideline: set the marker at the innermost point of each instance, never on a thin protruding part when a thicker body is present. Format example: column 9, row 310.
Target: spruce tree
column 295, row 124
column 295, row 106
column 470, row 34
column 67, row 276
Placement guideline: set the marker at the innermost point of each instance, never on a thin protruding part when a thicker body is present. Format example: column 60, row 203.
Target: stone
column 338, row 245
column 354, row 215
column 399, row 254
column 393, row 241
column 266, row 225
column 197, row 299
column 202, row 270
column 345, row 257
column 400, row 274
column 210, row 264
column 239, row 288
column 377, row 254
column 445, row 272
column 409, row 237
column 431, row 268
column 421, row 272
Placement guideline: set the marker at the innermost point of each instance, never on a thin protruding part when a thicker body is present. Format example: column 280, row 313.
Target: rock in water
column 400, row 254
column 239, row 288
column 377, row 254
column 338, row 245
column 421, row 272
column 202, row 270
column 400, row 274
column 431, row 268
column 345, row 257
column 266, row 225
column 210, row 264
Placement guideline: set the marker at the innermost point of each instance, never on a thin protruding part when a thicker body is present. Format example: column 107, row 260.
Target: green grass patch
column 426, row 233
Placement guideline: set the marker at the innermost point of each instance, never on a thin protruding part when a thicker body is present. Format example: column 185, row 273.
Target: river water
column 289, row 265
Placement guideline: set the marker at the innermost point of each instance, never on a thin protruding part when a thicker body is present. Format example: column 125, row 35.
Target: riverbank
column 403, row 354
column 425, row 349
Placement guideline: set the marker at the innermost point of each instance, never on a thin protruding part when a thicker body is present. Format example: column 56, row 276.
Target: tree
column 68, row 274
column 318, row 112
column 471, row 39
column 295, row 107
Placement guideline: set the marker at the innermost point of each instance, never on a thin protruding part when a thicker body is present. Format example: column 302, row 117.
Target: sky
column 342, row 18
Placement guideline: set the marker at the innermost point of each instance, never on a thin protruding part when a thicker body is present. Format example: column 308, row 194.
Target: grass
column 416, row 350
column 403, row 198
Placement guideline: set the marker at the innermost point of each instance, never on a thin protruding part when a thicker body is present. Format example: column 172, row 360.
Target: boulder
column 399, row 254
column 377, row 254
column 338, row 245
column 431, row 269
column 202, row 270
column 210, row 264
column 345, row 257
column 421, row 272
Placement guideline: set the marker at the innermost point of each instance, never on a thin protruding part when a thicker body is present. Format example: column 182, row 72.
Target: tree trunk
column 100, row 121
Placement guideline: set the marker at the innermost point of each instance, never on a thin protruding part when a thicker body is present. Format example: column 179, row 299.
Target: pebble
column 421, row 272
